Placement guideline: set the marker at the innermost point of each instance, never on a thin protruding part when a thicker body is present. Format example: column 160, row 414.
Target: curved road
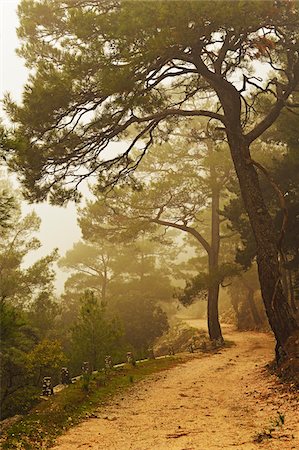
column 211, row 402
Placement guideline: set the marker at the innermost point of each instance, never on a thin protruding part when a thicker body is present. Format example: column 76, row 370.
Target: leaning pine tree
column 104, row 70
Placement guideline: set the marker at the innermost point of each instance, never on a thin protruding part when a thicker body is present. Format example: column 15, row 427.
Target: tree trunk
column 213, row 291
column 279, row 314
column 235, row 304
column 213, row 315
column 104, row 286
column 281, row 319
column 253, row 309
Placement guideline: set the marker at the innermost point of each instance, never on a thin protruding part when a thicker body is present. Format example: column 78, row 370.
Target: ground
column 226, row 401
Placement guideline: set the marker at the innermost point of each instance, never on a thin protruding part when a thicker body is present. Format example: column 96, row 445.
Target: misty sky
column 59, row 226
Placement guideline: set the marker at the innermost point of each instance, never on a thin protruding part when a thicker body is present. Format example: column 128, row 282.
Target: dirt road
column 213, row 402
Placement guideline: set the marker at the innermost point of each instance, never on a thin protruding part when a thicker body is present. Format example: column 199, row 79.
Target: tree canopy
column 103, row 69
column 127, row 72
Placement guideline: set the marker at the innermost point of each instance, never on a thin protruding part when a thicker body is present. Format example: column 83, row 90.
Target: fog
column 162, row 311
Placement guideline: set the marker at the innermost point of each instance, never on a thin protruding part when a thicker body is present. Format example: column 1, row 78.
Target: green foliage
column 19, row 285
column 197, row 287
column 20, row 401
column 11, row 322
column 46, row 359
column 43, row 315
column 16, row 339
column 94, row 335
column 104, row 69
column 7, row 208
column 22, row 293
column 9, row 203
column 142, row 319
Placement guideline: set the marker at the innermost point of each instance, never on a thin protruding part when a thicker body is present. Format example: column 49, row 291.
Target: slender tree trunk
column 253, row 309
column 235, row 304
column 213, row 291
column 104, row 286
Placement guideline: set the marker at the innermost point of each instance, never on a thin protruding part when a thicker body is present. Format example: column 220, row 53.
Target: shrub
column 20, row 401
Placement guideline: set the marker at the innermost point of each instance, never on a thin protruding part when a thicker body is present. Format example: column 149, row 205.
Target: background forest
column 170, row 239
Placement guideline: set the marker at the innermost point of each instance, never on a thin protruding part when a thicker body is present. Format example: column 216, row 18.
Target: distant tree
column 143, row 320
column 43, row 313
column 92, row 266
column 133, row 275
column 107, row 268
column 94, row 335
column 246, row 301
column 18, row 284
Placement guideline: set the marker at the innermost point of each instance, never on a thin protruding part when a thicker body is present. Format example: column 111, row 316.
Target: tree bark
column 253, row 309
column 284, row 279
column 279, row 314
column 292, row 293
column 281, row 319
column 213, row 291
column 235, row 304
column 213, row 314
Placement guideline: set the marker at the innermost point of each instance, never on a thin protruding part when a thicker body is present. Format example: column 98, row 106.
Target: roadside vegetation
column 85, row 398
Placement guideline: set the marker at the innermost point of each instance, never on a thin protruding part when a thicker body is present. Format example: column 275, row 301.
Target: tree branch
column 182, row 227
column 273, row 114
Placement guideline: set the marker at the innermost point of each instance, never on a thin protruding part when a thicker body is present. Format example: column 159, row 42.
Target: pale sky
column 59, row 225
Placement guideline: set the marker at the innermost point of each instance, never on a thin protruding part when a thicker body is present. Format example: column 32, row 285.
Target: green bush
column 20, row 401
column 86, row 378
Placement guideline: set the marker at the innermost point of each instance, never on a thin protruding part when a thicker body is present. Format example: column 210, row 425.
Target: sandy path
column 208, row 403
